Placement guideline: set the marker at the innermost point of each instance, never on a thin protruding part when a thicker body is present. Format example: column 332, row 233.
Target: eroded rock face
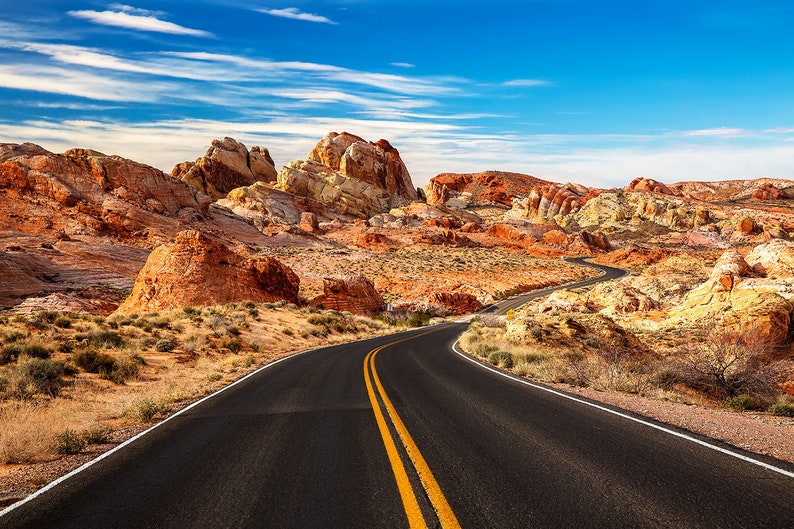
column 628, row 210
column 488, row 187
column 355, row 294
column 456, row 302
column 728, row 270
column 195, row 270
column 103, row 193
column 227, row 165
column 547, row 201
column 774, row 260
column 649, row 184
column 351, row 176
column 346, row 195
column 723, row 300
column 769, row 192
column 581, row 242
column 262, row 206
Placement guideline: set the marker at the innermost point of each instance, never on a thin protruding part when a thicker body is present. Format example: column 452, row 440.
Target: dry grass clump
column 68, row 380
column 734, row 369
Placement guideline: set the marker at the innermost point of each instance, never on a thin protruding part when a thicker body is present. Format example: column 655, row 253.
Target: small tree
column 728, row 363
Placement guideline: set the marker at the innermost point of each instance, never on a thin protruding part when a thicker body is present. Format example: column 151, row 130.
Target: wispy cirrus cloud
column 403, row 64
column 128, row 17
column 526, row 82
column 296, row 14
column 718, row 132
column 55, row 80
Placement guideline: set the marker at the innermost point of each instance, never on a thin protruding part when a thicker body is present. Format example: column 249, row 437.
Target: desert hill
column 140, row 281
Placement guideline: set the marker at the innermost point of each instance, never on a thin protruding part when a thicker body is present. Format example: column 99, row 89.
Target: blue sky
column 596, row 92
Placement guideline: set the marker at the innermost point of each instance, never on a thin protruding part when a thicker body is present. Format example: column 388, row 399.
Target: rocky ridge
column 196, row 270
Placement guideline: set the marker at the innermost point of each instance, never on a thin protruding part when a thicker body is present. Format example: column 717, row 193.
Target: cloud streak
column 139, row 20
column 296, row 14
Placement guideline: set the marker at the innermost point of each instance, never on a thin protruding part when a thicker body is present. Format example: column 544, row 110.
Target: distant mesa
column 196, row 270
column 351, row 176
column 227, row 165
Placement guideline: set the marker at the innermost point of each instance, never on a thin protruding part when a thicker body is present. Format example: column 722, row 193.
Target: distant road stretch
column 402, row 431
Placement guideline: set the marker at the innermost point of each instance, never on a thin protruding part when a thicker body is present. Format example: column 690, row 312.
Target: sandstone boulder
column 725, row 301
column 746, row 226
column 227, row 165
column 774, row 260
column 775, row 231
column 262, row 206
column 355, row 294
column 768, row 191
column 195, row 270
column 728, row 270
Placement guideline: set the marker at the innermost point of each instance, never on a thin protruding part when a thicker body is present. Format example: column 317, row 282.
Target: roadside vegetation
column 734, row 369
column 70, row 381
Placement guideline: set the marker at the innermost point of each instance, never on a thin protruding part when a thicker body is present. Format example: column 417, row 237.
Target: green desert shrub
column 146, row 410
column 501, row 359
column 99, row 434
column 165, row 345
column 45, row 375
column 68, row 442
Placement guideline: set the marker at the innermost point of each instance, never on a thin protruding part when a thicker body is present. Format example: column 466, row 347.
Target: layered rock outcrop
column 629, row 210
column 488, row 187
column 649, row 184
column 724, row 300
column 196, row 270
column 351, row 176
column 355, row 294
column 549, row 200
column 98, row 193
column 456, row 302
column 773, row 260
column 227, row 165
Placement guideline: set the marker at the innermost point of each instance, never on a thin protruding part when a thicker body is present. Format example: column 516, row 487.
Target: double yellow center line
column 436, row 496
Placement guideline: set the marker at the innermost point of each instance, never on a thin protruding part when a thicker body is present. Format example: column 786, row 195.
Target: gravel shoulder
column 756, row 432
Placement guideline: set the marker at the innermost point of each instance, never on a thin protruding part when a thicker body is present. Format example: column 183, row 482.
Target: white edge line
column 131, row 440
column 625, row 416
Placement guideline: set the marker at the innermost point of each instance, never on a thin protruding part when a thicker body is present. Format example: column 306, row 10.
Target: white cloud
column 403, row 64
column 720, row 132
column 55, row 80
column 427, row 148
column 780, row 130
column 526, row 82
column 133, row 20
column 296, row 14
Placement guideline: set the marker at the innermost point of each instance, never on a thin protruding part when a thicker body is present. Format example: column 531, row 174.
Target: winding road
column 403, row 431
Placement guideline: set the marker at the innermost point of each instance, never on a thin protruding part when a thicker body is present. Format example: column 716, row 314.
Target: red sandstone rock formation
column 582, row 242
column 769, row 192
column 649, row 184
column 494, row 187
column 227, row 165
column 89, row 192
column 548, row 200
column 351, row 176
column 354, row 294
column 195, row 270
column 456, row 302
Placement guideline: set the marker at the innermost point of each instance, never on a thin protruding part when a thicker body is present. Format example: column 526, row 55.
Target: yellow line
column 411, row 506
column 445, row 514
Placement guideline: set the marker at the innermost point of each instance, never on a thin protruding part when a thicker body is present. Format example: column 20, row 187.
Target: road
column 401, row 431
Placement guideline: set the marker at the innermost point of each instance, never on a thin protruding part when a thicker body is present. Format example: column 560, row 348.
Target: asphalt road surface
column 402, row 431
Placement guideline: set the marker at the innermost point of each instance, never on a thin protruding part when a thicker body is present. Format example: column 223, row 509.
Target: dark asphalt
column 297, row 445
